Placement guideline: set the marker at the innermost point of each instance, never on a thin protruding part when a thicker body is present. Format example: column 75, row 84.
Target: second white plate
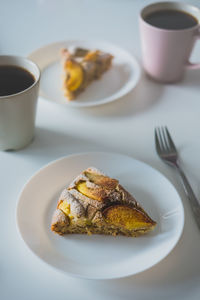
column 100, row 257
column 115, row 83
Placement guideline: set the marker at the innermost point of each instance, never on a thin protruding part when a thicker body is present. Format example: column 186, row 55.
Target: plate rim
column 76, row 275
column 109, row 99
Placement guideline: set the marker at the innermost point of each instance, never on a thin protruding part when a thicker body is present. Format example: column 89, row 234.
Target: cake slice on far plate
column 81, row 67
column 97, row 204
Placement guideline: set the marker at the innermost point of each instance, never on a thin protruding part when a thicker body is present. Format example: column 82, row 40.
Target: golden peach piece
column 96, row 193
column 104, row 181
column 74, row 75
column 127, row 217
column 64, row 206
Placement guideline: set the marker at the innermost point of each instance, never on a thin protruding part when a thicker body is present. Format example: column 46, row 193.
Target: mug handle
column 194, row 66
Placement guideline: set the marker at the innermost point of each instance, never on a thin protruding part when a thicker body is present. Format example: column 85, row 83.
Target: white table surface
column 125, row 126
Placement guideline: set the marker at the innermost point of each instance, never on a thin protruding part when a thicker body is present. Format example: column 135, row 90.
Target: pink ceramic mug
column 166, row 52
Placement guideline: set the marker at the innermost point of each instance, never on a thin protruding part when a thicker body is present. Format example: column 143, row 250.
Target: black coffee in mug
column 171, row 19
column 14, row 79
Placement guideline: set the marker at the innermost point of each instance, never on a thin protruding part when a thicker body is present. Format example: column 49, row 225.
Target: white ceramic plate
column 115, row 83
column 96, row 256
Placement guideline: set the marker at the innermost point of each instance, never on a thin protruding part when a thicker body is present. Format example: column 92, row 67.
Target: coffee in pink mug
column 168, row 34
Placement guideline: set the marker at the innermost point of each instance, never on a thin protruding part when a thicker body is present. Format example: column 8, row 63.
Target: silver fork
column 168, row 153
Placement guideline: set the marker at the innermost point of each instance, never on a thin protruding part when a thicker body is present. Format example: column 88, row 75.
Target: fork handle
column 195, row 205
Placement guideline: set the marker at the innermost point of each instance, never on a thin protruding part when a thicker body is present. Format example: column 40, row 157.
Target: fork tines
column 163, row 140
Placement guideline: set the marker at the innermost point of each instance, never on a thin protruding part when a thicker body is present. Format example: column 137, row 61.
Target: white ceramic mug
column 166, row 52
column 18, row 111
